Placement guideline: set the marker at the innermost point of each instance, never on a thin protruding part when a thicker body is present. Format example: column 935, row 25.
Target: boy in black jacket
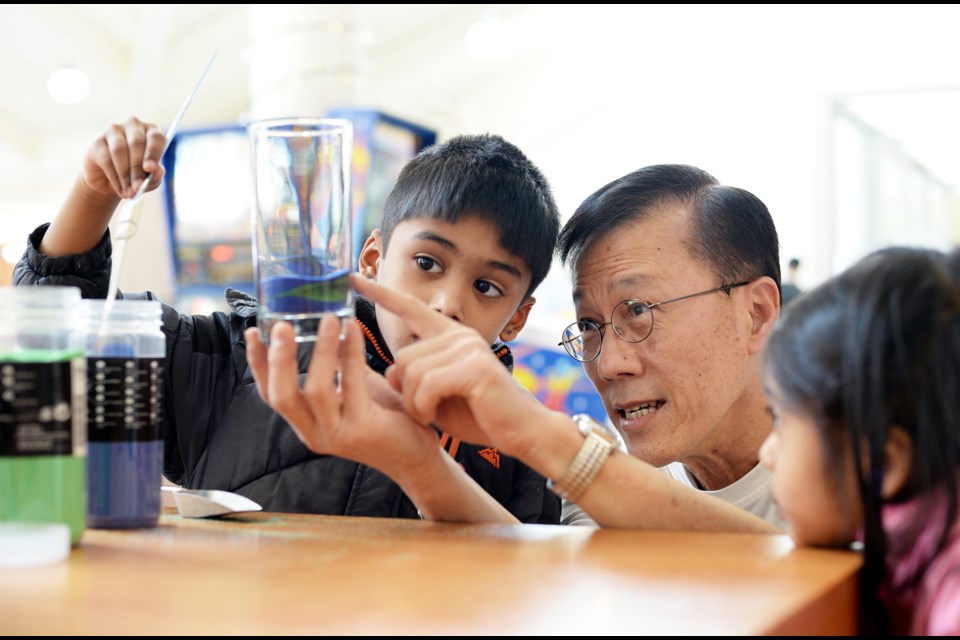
column 471, row 226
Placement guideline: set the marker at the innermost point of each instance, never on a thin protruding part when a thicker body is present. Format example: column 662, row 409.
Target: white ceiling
column 143, row 59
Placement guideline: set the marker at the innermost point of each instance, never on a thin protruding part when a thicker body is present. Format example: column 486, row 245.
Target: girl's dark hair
column 874, row 347
column 486, row 176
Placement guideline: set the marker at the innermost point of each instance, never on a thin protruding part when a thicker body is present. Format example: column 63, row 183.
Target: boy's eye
column 487, row 289
column 427, row 264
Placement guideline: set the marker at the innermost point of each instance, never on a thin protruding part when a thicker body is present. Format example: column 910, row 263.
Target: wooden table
column 268, row 573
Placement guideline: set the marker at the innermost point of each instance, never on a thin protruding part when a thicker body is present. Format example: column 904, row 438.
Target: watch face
column 586, row 424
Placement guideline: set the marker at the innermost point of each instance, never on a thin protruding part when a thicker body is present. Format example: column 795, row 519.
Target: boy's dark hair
column 486, row 176
column 794, row 263
column 874, row 347
column 731, row 229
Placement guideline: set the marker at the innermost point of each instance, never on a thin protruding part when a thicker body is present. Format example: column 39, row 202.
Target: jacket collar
column 378, row 354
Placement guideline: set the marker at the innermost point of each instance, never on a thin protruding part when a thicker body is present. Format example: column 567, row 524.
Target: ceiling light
column 11, row 252
column 68, row 85
column 489, row 38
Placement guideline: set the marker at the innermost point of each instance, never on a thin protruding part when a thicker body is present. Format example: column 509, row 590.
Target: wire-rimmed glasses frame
column 632, row 321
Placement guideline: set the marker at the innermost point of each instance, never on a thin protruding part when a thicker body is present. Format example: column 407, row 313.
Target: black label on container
column 40, row 414
column 124, row 399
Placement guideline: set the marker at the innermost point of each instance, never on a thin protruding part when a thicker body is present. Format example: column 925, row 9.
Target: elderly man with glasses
column 680, row 382
column 676, row 285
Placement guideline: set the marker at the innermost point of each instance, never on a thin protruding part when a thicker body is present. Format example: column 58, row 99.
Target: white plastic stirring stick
column 130, row 213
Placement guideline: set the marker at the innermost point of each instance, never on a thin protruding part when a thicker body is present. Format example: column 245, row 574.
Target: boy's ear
column 370, row 254
column 897, row 462
column 517, row 322
column 764, row 300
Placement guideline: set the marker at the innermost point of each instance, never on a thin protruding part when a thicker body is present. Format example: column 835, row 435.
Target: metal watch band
column 585, row 466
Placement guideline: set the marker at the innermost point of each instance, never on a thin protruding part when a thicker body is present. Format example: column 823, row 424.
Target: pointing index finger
column 420, row 318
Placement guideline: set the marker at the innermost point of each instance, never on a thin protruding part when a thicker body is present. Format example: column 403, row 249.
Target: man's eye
column 635, row 309
column 586, row 326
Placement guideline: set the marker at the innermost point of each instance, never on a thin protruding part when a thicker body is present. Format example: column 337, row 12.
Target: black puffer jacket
column 220, row 435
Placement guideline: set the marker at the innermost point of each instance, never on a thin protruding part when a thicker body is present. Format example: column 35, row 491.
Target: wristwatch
column 599, row 441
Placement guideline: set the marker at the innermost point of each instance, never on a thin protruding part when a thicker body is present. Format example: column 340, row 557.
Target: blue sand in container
column 306, row 293
column 123, row 478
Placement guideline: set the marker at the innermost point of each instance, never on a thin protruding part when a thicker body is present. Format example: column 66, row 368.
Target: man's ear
column 764, row 300
column 370, row 254
column 519, row 319
column 897, row 462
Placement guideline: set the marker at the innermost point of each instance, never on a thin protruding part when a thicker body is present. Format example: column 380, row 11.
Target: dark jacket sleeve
column 90, row 271
column 531, row 500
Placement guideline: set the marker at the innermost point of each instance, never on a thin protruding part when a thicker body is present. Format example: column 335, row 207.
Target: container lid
column 123, row 310
column 25, row 544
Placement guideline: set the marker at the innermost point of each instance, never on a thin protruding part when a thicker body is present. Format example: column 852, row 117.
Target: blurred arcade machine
column 554, row 378
column 382, row 145
column 208, row 187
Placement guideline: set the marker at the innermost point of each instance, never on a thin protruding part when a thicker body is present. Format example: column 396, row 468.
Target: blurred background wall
column 842, row 118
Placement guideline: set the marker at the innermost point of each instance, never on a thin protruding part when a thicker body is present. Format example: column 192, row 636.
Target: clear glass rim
column 121, row 302
column 122, row 309
column 277, row 126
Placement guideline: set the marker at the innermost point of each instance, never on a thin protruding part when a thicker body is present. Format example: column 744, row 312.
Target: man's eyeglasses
column 632, row 320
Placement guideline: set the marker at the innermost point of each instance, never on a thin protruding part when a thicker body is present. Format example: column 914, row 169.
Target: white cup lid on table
column 25, row 544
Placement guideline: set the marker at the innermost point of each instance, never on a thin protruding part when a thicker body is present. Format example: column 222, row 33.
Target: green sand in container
column 42, row 488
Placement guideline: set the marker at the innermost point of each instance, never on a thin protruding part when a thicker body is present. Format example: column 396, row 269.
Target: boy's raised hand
column 118, row 161
column 349, row 421
column 451, row 378
column 114, row 166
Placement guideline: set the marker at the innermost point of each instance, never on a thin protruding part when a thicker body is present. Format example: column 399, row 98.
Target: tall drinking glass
column 302, row 221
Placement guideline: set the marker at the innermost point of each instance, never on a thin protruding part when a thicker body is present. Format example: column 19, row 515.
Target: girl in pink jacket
column 863, row 376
